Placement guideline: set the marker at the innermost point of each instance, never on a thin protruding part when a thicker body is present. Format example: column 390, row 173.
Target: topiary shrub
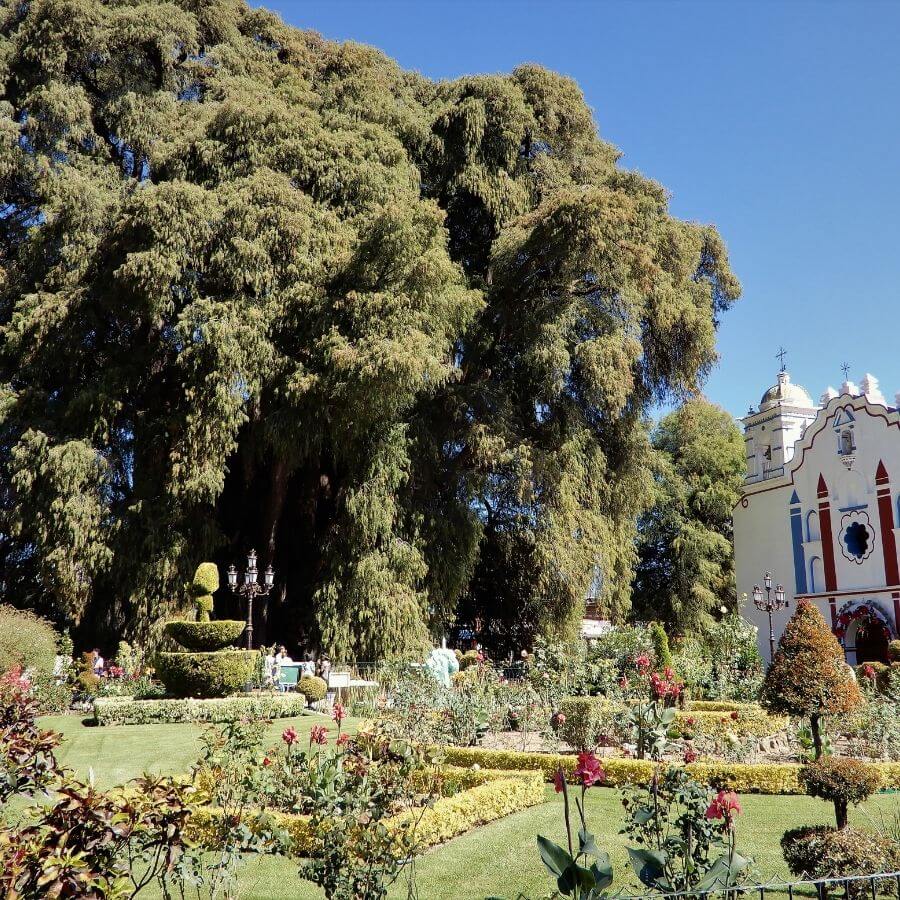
column 822, row 852
column 809, row 676
column 26, row 640
column 204, row 585
column 587, row 720
column 205, row 674
column 206, row 636
column 313, row 688
column 468, row 659
column 842, row 781
column 660, row 645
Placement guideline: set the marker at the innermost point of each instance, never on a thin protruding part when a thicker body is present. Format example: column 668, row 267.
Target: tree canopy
column 258, row 288
column 686, row 551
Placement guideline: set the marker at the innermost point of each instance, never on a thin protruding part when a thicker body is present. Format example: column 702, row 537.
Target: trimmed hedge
column 717, row 706
column 206, row 674
column 128, row 711
column 208, row 636
column 448, row 817
column 749, row 720
column 766, row 778
column 312, row 687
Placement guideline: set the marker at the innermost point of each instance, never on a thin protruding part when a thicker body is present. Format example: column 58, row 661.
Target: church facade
column 820, row 511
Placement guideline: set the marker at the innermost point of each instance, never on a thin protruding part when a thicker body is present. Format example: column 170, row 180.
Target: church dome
column 785, row 392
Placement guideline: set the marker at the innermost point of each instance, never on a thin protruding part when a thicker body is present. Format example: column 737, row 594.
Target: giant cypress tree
column 259, row 288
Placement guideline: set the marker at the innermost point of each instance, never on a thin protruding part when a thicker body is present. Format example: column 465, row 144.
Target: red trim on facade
column 827, row 539
column 832, row 605
column 886, row 520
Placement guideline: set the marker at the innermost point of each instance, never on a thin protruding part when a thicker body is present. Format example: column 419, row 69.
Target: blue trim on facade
column 797, row 541
column 854, row 508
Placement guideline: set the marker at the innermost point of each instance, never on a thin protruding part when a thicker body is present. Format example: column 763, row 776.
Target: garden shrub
column 822, row 852
column 660, row 645
column 842, row 781
column 468, row 659
column 26, row 640
column 809, row 676
column 205, row 674
column 894, row 651
column 205, row 636
column 716, row 706
column 748, row 720
column 204, row 585
column 313, row 688
column 588, row 720
column 127, row 711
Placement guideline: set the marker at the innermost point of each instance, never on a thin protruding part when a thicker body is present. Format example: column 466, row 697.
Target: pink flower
column 339, row 713
column 724, row 806
column 869, row 671
column 691, row 721
column 589, row 770
column 318, row 734
column 642, row 662
column 690, row 755
column 559, row 781
column 289, row 735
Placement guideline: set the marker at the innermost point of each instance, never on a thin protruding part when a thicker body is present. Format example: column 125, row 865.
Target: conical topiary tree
column 809, row 676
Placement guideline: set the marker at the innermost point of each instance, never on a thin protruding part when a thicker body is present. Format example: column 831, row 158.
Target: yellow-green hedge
column 493, row 799
column 747, row 778
column 751, row 721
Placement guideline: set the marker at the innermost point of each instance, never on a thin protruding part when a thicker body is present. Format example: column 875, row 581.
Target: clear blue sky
column 779, row 123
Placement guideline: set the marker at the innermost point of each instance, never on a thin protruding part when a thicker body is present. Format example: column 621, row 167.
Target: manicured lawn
column 499, row 859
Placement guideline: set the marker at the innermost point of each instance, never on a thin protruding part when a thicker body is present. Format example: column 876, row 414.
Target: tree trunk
column 840, row 813
column 816, row 736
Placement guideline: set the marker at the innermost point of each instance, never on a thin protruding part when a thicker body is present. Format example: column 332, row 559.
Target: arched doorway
column 863, row 630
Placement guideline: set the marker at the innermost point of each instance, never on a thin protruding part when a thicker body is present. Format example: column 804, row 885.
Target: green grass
column 499, row 859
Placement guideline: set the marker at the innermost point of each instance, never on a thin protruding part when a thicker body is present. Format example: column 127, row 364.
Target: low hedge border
column 128, row 711
column 745, row 778
column 449, row 817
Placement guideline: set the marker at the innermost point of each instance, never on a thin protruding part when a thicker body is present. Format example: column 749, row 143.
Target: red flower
column 690, row 755
column 343, row 739
column 589, row 770
column 559, row 781
column 318, row 734
column 725, row 806
column 734, row 715
column 339, row 713
column 869, row 671
column 669, row 674
column 267, row 761
column 691, row 721
column 623, row 682
column 642, row 662
column 289, row 735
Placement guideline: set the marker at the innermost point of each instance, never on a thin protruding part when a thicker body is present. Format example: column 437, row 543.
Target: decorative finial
column 781, row 354
column 845, row 368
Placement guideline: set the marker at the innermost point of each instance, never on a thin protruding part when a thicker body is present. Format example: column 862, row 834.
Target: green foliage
column 685, row 572
column 809, row 676
column 894, row 651
column 127, row 711
column 842, row 781
column 312, row 687
column 205, row 674
column 822, row 852
column 256, row 286
column 207, row 636
column 204, row 585
column 26, row 640
column 588, row 720
column 661, row 651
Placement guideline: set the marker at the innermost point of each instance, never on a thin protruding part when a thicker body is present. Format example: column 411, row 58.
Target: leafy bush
column 660, row 645
column 205, row 674
column 588, row 720
column 313, row 688
column 842, row 781
column 126, row 711
column 26, row 640
column 894, row 651
column 204, row 585
column 822, row 852
column 716, row 706
column 748, row 720
column 53, row 695
column 809, row 676
column 205, row 636
column 468, row 659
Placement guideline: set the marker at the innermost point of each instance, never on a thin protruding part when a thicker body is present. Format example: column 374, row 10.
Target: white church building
column 820, row 511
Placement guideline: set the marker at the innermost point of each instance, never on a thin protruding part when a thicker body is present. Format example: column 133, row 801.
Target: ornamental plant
column 842, row 781
column 809, row 676
column 685, row 836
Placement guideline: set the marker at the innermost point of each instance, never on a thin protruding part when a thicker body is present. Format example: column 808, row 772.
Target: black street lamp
column 251, row 588
column 768, row 605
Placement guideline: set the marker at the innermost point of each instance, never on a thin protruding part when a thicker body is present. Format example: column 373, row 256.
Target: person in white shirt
column 99, row 663
column 269, row 667
column 283, row 658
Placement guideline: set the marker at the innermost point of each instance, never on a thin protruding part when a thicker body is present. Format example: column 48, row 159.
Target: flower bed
column 499, row 794
column 767, row 778
column 128, row 711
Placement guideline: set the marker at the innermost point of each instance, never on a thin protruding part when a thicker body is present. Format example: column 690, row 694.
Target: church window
column 846, row 445
column 856, row 537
